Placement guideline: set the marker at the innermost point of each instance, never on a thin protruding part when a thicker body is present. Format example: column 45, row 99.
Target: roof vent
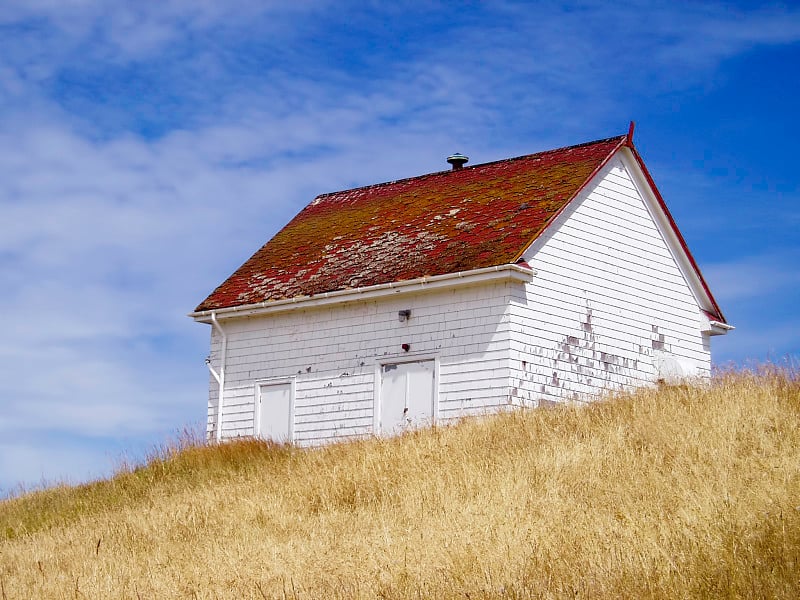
column 458, row 160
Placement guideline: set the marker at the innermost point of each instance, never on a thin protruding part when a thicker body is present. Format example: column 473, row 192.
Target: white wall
column 609, row 307
column 333, row 353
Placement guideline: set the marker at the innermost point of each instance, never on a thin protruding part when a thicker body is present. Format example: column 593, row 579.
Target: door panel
column 407, row 392
column 275, row 411
column 420, row 393
column 393, row 397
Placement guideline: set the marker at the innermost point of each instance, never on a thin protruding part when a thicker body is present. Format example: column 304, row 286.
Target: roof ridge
column 465, row 168
column 322, row 249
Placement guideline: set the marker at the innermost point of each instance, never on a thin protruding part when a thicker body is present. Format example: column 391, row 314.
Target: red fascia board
column 718, row 313
column 623, row 140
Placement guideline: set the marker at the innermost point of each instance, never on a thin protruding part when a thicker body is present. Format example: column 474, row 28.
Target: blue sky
column 147, row 149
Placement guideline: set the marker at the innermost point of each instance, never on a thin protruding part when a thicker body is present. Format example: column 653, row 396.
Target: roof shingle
column 479, row 216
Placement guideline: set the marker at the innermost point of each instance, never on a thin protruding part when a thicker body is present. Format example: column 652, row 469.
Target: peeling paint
column 581, row 362
column 437, row 224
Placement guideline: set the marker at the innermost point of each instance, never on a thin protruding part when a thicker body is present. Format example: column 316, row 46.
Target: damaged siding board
column 471, row 405
column 333, row 352
column 623, row 328
column 608, row 298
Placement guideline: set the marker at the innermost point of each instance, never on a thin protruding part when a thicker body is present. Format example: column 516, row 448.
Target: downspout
column 221, row 376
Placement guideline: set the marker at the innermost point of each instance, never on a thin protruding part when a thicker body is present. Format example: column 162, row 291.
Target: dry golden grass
column 673, row 493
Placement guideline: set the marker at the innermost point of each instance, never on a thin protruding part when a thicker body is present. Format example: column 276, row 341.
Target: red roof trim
column 444, row 222
column 414, row 178
column 623, row 140
column 718, row 312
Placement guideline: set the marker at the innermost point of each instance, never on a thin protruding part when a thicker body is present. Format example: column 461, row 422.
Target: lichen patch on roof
column 445, row 222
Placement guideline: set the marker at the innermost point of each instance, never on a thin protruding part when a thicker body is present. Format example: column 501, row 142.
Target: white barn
column 545, row 278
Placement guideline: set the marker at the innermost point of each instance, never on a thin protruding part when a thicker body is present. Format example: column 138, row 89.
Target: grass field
column 671, row 493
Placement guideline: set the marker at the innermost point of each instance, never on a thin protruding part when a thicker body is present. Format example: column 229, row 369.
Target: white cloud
column 114, row 241
column 755, row 277
column 141, row 28
column 759, row 295
column 723, row 32
column 759, row 340
column 37, row 461
column 34, row 464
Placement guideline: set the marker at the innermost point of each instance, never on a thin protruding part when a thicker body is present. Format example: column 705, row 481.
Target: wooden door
column 275, row 411
column 407, row 395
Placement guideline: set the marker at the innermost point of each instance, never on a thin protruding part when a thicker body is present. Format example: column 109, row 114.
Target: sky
column 148, row 148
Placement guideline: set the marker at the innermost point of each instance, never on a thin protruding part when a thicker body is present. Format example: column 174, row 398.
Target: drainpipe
column 221, row 376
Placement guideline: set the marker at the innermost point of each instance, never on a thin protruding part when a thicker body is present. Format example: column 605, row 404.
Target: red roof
column 445, row 222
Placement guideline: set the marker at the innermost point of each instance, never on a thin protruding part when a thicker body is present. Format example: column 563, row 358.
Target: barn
column 551, row 277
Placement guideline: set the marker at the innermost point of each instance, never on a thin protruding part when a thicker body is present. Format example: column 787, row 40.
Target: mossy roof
column 458, row 220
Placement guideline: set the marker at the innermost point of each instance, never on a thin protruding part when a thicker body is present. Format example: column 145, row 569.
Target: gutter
column 515, row 272
column 220, row 377
column 715, row 324
column 719, row 328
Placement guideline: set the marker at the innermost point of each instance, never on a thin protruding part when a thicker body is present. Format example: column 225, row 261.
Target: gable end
column 644, row 183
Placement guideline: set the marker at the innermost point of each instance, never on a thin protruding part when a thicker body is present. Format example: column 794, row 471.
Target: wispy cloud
column 722, row 31
column 762, row 276
column 755, row 342
column 759, row 294
column 29, row 461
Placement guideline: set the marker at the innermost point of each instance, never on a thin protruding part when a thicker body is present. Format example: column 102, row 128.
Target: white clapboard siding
column 333, row 354
column 239, row 411
column 608, row 303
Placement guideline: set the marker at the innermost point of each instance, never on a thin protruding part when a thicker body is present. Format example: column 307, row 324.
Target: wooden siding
column 332, row 353
column 609, row 306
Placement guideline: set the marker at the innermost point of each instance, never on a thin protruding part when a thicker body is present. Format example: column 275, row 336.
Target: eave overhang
column 508, row 272
column 713, row 326
column 717, row 328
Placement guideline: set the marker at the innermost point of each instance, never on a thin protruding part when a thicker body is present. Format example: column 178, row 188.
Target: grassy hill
column 678, row 492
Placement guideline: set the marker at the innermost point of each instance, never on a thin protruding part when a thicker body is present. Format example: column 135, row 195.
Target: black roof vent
column 458, row 160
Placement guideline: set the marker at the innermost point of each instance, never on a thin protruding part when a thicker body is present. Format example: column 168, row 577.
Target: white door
column 274, row 412
column 407, row 393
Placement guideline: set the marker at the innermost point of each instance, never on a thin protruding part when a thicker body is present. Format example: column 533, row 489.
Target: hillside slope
column 679, row 492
